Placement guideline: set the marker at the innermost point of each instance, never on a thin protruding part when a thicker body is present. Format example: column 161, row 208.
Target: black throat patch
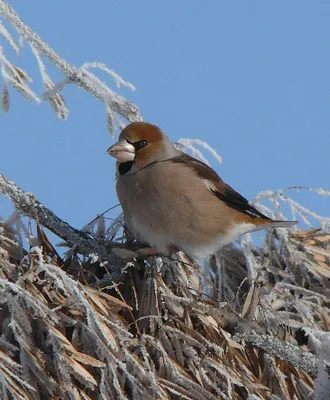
column 123, row 168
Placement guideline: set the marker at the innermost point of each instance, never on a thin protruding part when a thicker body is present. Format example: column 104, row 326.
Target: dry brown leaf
column 80, row 372
column 88, row 360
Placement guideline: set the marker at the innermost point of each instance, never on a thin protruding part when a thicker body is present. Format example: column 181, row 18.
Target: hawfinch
column 174, row 202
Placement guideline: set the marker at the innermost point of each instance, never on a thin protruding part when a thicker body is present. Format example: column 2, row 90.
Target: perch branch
column 27, row 205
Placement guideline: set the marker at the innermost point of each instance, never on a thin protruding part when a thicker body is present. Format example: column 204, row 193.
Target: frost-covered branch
column 27, row 205
column 81, row 77
column 283, row 350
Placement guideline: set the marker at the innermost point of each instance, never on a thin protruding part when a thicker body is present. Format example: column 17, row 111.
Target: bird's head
column 140, row 144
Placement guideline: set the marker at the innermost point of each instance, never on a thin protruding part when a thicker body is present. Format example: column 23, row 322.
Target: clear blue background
column 250, row 78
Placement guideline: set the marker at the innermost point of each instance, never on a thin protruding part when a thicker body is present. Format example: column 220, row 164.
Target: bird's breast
column 164, row 207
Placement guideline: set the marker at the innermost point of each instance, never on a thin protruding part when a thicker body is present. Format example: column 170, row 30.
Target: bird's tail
column 282, row 224
column 266, row 223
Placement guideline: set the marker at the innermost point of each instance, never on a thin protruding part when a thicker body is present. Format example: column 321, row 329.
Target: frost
column 189, row 144
column 17, row 78
column 56, row 100
column 9, row 38
column 81, row 77
column 112, row 319
column 118, row 79
column 322, row 382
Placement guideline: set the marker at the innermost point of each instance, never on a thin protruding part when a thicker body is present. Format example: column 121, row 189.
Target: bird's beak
column 123, row 151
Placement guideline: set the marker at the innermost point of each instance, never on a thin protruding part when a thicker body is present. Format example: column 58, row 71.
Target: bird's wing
column 221, row 190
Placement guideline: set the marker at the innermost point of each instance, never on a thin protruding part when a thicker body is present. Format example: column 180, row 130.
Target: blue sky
column 250, row 78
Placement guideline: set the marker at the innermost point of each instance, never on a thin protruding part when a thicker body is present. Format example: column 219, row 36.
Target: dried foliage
column 110, row 320
column 252, row 322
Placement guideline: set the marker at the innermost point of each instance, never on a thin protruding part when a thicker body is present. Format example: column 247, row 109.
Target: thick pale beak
column 122, row 151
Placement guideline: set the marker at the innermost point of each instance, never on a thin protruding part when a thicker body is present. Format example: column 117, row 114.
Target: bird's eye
column 140, row 144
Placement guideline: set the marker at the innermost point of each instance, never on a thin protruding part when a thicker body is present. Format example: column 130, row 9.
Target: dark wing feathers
column 221, row 190
column 238, row 202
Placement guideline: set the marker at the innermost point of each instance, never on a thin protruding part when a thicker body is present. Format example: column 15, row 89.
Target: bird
column 174, row 202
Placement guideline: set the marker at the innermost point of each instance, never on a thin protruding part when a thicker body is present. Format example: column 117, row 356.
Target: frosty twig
column 81, row 77
column 27, row 205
